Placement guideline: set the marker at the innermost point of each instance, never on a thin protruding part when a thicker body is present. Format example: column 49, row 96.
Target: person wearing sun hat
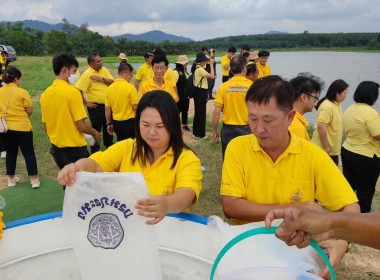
column 181, row 75
column 200, row 95
column 253, row 58
column 123, row 58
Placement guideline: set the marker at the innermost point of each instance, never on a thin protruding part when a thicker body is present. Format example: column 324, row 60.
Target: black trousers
column 98, row 122
column 124, row 129
column 211, row 83
column 230, row 132
column 199, row 124
column 65, row 156
column 24, row 139
column 183, row 108
column 362, row 173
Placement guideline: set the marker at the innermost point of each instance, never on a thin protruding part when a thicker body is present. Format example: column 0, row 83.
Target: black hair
column 306, row 83
column 232, row 49
column 251, row 68
column 64, row 60
column 246, row 47
column 160, row 58
column 124, row 68
column 263, row 53
column 11, row 74
column 246, row 54
column 91, row 57
column 263, row 89
column 158, row 51
column 204, row 49
column 367, row 92
column 168, row 110
column 237, row 64
column 337, row 86
column 213, row 51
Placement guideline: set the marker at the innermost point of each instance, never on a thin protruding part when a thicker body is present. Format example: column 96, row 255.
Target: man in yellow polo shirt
column 273, row 168
column 64, row 116
column 144, row 70
column 225, row 64
column 158, row 81
column 307, row 89
column 264, row 68
column 121, row 104
column 231, row 98
column 94, row 82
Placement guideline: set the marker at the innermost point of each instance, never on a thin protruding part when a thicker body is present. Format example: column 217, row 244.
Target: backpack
column 190, row 87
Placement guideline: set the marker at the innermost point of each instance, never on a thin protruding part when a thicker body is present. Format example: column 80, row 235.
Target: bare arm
column 134, row 107
column 66, row 176
column 211, row 75
column 29, row 111
column 137, row 84
column 322, row 129
column 215, row 122
column 84, row 127
column 99, row 79
column 157, row 206
column 108, row 113
column 87, row 103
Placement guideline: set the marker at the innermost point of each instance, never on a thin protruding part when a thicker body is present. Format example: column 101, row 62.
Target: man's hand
column 97, row 137
column 335, row 249
column 215, row 137
column 155, row 207
column 91, row 105
column 96, row 78
column 110, row 129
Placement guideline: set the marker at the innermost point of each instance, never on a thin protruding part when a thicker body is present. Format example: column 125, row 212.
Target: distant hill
column 276, row 32
column 36, row 24
column 154, row 36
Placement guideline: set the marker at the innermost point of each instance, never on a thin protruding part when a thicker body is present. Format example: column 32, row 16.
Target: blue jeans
column 24, row 139
column 230, row 132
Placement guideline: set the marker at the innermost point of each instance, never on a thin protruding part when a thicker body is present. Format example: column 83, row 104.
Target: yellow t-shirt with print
column 298, row 126
column 160, row 179
column 169, row 75
column 143, row 73
column 95, row 91
column 120, row 96
column 361, row 122
column 224, row 61
column 330, row 113
column 200, row 72
column 298, row 175
column 150, row 85
column 264, row 70
column 17, row 119
column 231, row 97
column 61, row 107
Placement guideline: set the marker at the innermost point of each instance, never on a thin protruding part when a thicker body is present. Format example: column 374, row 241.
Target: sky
column 203, row 19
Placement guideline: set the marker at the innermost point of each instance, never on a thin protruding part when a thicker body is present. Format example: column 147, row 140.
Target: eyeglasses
column 316, row 97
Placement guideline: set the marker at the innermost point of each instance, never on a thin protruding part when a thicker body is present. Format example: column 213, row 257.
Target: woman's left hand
column 155, row 207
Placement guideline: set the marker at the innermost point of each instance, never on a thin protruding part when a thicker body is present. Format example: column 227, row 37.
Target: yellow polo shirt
column 200, row 72
column 150, row 85
column 361, row 122
column 330, row 113
column 298, row 126
column 2, row 62
column 225, row 60
column 95, row 90
column 231, row 97
column 303, row 172
column 264, row 70
column 143, row 72
column 61, row 107
column 169, row 75
column 160, row 179
column 16, row 117
column 120, row 96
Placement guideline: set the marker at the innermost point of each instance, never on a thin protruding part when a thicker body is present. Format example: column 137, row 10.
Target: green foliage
column 55, row 41
column 19, row 42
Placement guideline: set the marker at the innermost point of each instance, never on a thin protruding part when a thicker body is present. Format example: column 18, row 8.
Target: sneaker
column 199, row 138
column 186, row 128
column 35, row 183
column 3, row 154
column 13, row 181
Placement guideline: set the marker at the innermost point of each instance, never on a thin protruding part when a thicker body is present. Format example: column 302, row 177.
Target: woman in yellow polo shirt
column 20, row 133
column 361, row 151
column 329, row 126
column 171, row 170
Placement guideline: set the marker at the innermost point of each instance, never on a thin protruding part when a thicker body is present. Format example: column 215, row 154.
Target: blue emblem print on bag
column 105, row 231
column 103, row 202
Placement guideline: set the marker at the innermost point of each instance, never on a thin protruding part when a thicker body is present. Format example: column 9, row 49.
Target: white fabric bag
column 108, row 237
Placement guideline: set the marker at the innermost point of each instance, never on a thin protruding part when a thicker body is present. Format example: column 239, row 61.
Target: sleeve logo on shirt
column 105, row 231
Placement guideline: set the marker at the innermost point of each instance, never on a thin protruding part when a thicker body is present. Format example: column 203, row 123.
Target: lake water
column 329, row 66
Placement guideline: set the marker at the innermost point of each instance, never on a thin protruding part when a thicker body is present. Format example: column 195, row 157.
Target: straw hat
column 182, row 59
column 254, row 55
column 123, row 56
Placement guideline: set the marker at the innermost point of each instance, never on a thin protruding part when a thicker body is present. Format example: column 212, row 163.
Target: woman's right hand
column 66, row 176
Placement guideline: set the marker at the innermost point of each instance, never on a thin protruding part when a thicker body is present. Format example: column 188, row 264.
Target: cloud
column 154, row 15
column 41, row 11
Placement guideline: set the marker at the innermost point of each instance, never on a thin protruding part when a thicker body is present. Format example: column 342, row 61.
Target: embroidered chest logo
column 105, row 231
column 296, row 197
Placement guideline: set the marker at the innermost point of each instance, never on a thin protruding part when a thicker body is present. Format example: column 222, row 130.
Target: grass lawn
column 22, row 200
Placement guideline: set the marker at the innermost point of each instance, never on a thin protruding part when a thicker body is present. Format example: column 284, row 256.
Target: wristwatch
column 109, row 123
column 103, row 79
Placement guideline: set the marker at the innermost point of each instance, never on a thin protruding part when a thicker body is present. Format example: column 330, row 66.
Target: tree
column 55, row 41
column 121, row 44
column 19, row 41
